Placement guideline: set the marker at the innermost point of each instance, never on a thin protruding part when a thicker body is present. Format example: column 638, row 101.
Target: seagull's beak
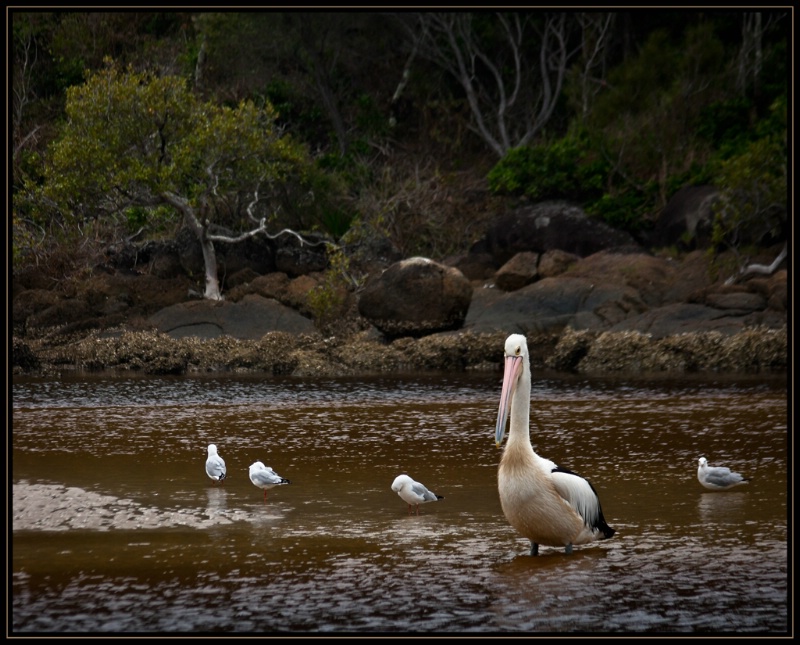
column 513, row 369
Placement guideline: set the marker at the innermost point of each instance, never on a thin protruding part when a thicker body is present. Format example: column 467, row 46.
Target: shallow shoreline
column 761, row 351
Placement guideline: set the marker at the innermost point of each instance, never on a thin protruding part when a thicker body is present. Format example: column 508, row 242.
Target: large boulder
column 686, row 221
column 520, row 270
column 248, row 319
column 651, row 276
column 552, row 304
column 415, row 297
column 546, row 226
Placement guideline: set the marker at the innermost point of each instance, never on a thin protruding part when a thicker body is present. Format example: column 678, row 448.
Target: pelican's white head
column 516, row 360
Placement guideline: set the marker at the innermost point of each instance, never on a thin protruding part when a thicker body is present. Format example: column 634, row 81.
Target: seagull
column 264, row 477
column 717, row 477
column 215, row 465
column 413, row 493
column 545, row 503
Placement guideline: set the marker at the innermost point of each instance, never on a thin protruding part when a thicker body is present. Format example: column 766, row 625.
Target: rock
column 272, row 285
column 297, row 292
column 654, row 312
column 682, row 318
column 650, row 276
column 164, row 262
column 32, row 302
column 546, row 226
column 416, row 297
column 743, row 302
column 474, row 266
column 250, row 318
column 23, row 357
column 189, row 253
column 242, row 277
column 686, row 220
column 555, row 262
column 296, row 259
column 254, row 253
column 518, row 271
column 552, row 304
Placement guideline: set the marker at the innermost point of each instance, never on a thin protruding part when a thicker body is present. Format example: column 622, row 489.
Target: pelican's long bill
column 513, row 369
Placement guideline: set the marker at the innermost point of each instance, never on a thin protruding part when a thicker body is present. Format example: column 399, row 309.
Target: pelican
column 717, row 477
column 413, row 493
column 264, row 477
column 545, row 503
column 215, row 465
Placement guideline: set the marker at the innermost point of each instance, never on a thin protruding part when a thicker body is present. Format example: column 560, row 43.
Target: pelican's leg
column 534, row 548
column 568, row 549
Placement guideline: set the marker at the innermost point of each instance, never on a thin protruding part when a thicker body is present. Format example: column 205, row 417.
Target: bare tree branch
column 762, row 269
column 511, row 91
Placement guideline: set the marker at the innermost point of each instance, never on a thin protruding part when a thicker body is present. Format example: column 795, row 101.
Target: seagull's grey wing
column 722, row 476
column 423, row 492
column 266, row 476
column 215, row 466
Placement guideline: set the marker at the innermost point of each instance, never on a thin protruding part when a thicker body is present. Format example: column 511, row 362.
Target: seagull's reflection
column 722, row 506
column 217, row 500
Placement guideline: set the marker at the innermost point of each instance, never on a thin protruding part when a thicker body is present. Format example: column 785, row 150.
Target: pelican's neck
column 519, row 427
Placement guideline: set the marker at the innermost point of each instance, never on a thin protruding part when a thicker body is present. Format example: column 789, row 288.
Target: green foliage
column 626, row 211
column 132, row 139
column 138, row 217
column 655, row 123
column 564, row 169
column 667, row 113
column 725, row 123
column 330, row 299
column 293, row 109
column 370, row 118
column 752, row 209
column 319, row 202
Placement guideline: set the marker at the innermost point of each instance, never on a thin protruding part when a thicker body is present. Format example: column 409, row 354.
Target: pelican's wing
column 578, row 493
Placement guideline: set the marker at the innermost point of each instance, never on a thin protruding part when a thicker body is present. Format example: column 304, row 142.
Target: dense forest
column 416, row 126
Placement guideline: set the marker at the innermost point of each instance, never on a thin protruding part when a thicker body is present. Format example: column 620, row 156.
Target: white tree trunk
column 206, row 239
column 212, row 291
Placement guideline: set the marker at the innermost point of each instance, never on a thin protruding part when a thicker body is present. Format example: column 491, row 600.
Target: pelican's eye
column 517, row 352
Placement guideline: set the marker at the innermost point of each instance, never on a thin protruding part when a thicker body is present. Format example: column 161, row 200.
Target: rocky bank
column 589, row 299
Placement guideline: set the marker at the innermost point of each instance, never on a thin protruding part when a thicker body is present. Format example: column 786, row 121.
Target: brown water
column 117, row 529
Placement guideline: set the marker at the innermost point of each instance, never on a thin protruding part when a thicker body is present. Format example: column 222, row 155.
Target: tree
column 326, row 70
column 752, row 209
column 511, row 67
column 133, row 140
